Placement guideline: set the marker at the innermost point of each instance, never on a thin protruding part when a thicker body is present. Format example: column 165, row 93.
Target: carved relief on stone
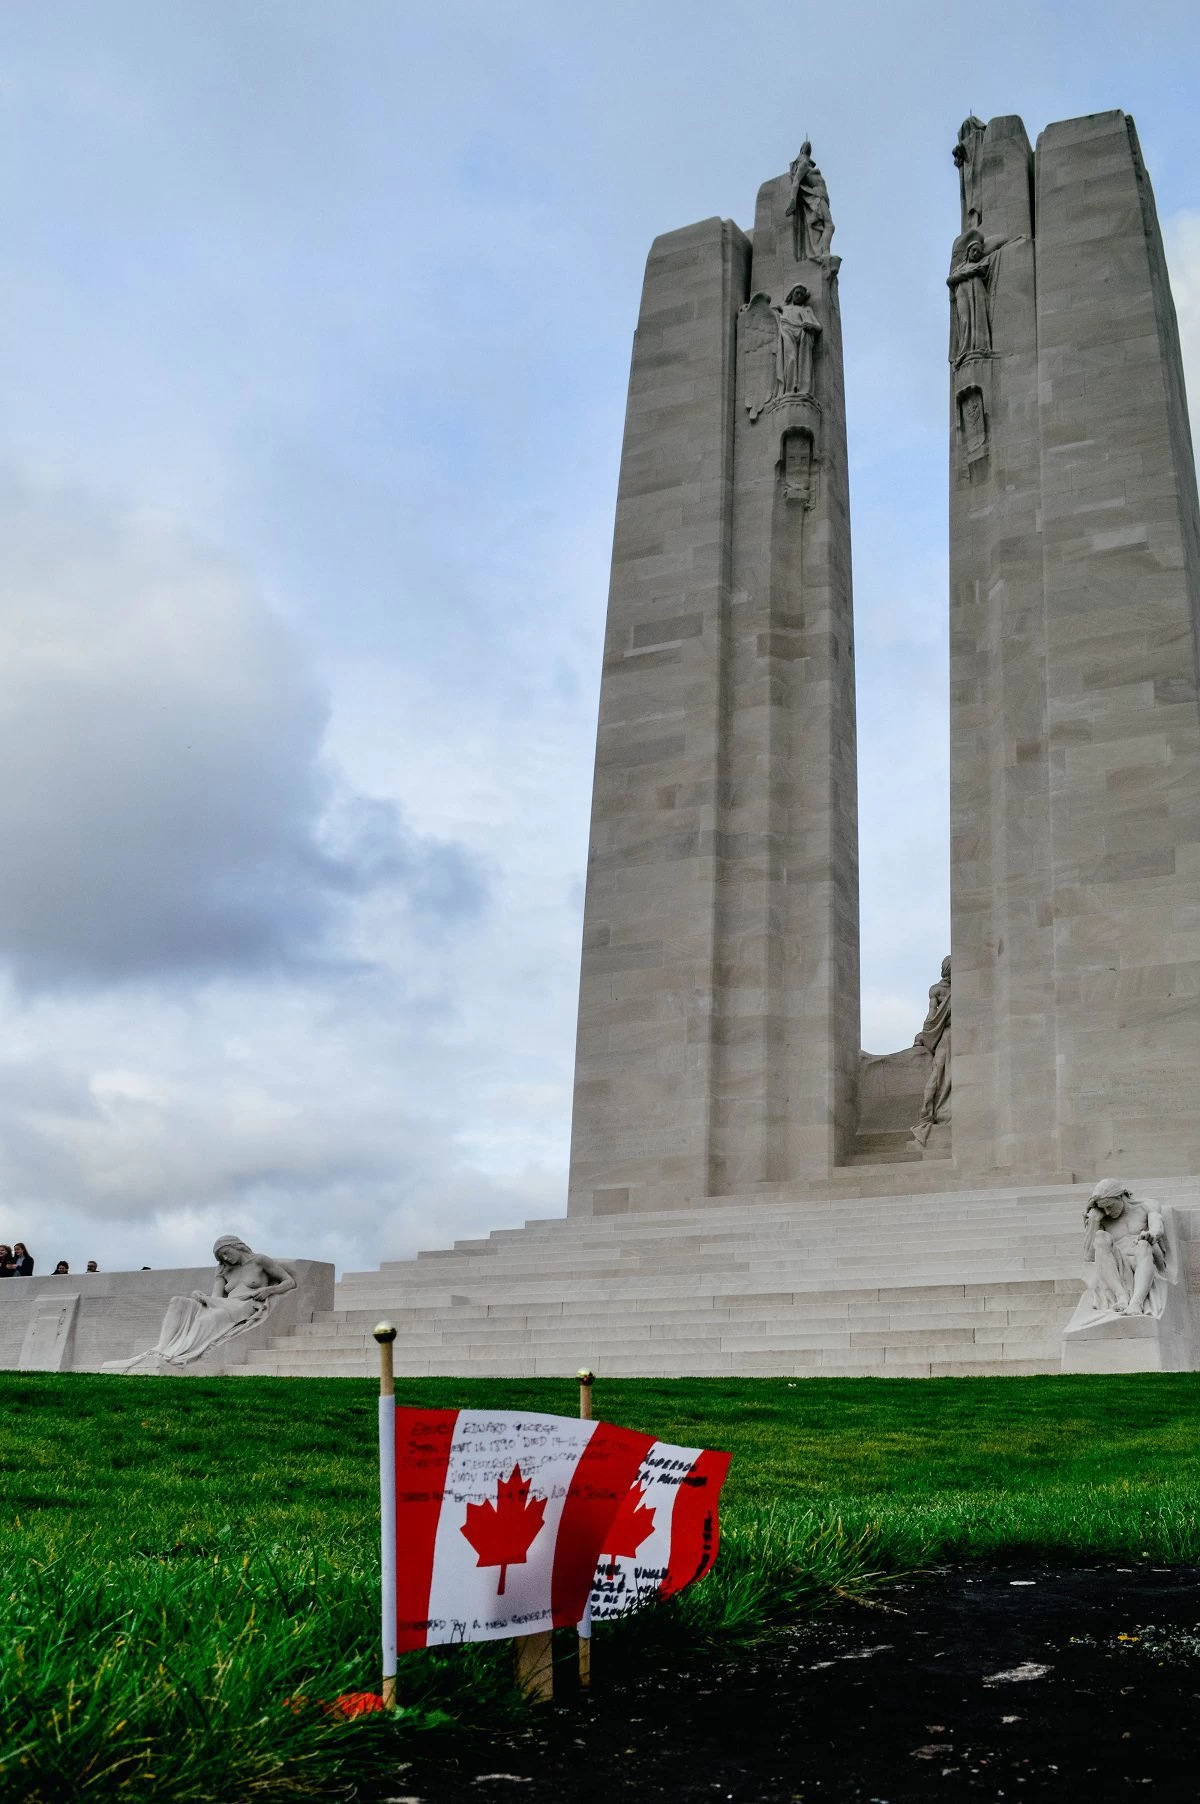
column 968, row 158
column 973, row 264
column 246, row 1286
column 972, row 422
column 758, row 341
column 797, row 460
column 808, row 208
column 778, row 349
column 971, row 425
column 935, row 1038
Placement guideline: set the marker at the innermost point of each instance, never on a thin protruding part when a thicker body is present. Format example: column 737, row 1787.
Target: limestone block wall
column 1122, row 573
column 643, row 1071
column 718, row 1037
column 787, row 1002
column 113, row 1315
column 1075, row 722
column 1002, row 933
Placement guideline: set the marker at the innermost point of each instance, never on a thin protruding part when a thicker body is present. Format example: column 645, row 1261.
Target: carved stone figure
column 969, row 163
column 778, row 349
column 758, row 342
column 799, row 329
column 935, row 1038
column 246, row 1286
column 808, row 208
column 1126, row 1241
column 973, row 263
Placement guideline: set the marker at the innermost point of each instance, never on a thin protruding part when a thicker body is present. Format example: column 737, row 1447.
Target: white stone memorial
column 750, row 1191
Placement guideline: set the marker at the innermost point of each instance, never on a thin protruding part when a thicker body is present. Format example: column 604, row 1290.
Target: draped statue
column 778, row 349
column 246, row 1286
column 935, row 1038
column 799, row 329
column 968, row 160
column 808, row 208
column 973, row 263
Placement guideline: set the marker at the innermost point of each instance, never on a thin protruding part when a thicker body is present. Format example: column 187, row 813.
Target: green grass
column 182, row 1556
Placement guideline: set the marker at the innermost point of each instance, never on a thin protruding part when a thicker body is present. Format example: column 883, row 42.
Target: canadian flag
column 664, row 1533
column 500, row 1518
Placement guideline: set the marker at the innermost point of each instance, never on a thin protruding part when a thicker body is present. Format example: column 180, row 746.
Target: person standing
column 22, row 1261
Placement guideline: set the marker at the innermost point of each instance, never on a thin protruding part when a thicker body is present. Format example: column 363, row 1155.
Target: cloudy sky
column 314, row 328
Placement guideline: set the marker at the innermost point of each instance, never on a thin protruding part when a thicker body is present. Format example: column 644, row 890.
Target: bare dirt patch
column 990, row 1683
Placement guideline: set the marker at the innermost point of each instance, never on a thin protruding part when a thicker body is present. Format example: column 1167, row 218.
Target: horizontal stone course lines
column 934, row 1285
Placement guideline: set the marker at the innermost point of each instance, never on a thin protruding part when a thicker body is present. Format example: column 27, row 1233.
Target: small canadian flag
column 665, row 1531
column 501, row 1517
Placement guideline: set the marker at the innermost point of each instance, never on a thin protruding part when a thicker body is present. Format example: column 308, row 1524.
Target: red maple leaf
column 631, row 1525
column 503, row 1532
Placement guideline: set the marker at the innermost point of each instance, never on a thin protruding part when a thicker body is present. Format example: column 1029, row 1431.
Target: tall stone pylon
column 1075, row 725
column 718, row 1037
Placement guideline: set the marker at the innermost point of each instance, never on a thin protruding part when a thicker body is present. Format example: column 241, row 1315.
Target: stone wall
column 718, row 1035
column 76, row 1323
column 1075, row 569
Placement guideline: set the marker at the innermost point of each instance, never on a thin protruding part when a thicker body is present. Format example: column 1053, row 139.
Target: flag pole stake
column 533, row 1665
column 385, row 1334
column 586, row 1381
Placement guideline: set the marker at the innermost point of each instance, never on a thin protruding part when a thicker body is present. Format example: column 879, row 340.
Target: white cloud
column 166, row 807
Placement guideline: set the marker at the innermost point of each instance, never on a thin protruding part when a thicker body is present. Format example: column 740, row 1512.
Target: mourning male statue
column 935, row 1038
column 245, row 1288
column 1126, row 1240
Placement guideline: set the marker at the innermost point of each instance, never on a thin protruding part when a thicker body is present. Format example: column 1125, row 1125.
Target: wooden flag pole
column 533, row 1665
column 385, row 1334
column 533, row 1655
column 586, row 1381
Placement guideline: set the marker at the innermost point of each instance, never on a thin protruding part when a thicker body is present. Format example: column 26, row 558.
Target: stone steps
column 926, row 1284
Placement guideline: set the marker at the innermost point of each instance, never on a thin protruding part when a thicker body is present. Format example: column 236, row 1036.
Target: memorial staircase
column 897, row 1285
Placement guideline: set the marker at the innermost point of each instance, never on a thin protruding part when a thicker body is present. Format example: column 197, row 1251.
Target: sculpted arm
column 280, row 1279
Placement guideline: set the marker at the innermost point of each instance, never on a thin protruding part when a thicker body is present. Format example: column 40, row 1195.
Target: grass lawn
column 182, row 1556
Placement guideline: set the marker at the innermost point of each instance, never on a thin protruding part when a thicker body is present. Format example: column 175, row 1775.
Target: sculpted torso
column 251, row 1278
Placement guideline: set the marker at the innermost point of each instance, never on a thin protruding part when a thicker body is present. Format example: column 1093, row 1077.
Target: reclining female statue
column 246, row 1286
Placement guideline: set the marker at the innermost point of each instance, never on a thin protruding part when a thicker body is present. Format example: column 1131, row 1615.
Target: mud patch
column 1010, row 1684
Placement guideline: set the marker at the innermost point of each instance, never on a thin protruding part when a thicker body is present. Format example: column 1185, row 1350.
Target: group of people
column 16, row 1261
